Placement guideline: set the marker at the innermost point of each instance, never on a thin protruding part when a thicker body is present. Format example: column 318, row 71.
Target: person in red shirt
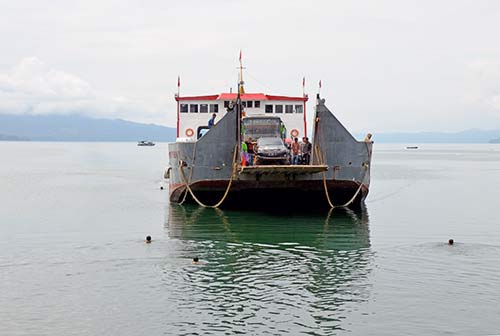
column 250, row 151
column 295, row 151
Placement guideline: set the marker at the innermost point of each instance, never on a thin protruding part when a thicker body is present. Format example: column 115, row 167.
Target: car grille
column 272, row 154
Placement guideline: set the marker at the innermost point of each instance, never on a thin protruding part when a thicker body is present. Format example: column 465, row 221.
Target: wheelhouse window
column 214, row 108
column 249, row 103
column 244, row 103
column 279, row 109
column 226, row 103
column 203, row 108
column 269, row 108
column 288, row 108
column 184, row 108
column 299, row 109
column 257, row 104
column 193, row 108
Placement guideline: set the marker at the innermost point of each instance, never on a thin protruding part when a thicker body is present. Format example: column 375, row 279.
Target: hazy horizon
column 82, row 128
column 79, row 114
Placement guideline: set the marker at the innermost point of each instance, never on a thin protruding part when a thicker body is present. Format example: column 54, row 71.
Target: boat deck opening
column 283, row 169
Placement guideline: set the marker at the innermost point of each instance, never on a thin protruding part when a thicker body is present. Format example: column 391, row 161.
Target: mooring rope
column 327, row 194
column 233, row 173
column 190, row 172
column 364, row 176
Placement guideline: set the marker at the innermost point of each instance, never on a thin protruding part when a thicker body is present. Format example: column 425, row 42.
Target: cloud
column 484, row 75
column 32, row 79
column 486, row 68
column 32, row 87
column 495, row 101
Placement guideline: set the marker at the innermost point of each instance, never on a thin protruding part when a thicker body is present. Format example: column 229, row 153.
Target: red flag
column 240, row 56
column 320, row 83
column 178, row 81
column 303, row 82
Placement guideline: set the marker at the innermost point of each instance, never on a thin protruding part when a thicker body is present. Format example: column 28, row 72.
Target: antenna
column 241, row 83
column 238, row 119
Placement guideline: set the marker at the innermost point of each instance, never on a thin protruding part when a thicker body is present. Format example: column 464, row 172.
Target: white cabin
column 195, row 111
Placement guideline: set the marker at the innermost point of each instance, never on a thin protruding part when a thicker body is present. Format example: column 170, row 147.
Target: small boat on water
column 411, row 147
column 212, row 166
column 145, row 143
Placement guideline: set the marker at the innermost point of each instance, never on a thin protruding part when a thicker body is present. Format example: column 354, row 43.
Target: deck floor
column 283, row 169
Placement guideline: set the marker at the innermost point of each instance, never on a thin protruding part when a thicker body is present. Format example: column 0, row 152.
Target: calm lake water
column 73, row 217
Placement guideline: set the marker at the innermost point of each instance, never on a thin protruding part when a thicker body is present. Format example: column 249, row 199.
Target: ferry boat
column 145, row 143
column 207, row 166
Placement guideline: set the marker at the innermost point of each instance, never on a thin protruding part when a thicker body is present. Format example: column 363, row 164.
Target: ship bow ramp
column 347, row 159
column 209, row 158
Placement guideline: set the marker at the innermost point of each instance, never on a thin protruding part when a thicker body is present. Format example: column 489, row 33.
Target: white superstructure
column 195, row 111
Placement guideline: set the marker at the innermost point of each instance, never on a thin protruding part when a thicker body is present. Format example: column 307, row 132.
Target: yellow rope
column 233, row 173
column 327, row 194
column 320, row 161
column 190, row 172
column 364, row 176
column 357, row 191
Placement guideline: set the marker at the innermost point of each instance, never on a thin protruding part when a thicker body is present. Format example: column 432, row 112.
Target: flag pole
column 178, row 107
column 241, row 88
column 304, row 102
column 238, row 111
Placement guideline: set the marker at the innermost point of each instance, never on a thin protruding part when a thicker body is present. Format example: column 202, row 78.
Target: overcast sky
column 385, row 65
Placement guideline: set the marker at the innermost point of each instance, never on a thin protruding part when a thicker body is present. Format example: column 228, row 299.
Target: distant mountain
column 495, row 140
column 8, row 137
column 79, row 128
column 468, row 136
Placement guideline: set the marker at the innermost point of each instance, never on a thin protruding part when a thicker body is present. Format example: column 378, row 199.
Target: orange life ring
column 189, row 132
column 294, row 132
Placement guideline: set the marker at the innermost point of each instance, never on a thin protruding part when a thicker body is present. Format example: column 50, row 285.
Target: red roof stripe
column 245, row 96
column 269, row 97
column 211, row 97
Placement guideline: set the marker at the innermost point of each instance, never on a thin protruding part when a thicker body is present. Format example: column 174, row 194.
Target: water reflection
column 276, row 274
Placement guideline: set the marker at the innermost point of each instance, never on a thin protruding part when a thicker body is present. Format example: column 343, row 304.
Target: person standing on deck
column 306, row 150
column 301, row 152
column 244, row 154
column 295, row 151
column 250, row 151
column 211, row 122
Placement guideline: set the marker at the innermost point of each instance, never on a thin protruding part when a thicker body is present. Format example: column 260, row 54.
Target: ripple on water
column 280, row 275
